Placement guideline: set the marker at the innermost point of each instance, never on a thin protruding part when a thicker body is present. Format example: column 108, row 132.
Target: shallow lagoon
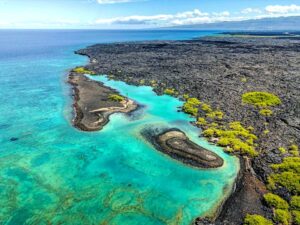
column 56, row 174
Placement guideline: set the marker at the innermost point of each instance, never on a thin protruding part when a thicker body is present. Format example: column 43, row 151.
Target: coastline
column 249, row 180
column 92, row 106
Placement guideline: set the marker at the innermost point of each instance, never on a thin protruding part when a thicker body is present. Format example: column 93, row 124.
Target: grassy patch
column 275, row 201
column 256, row 220
column 261, row 99
column 83, row 70
column 116, row 98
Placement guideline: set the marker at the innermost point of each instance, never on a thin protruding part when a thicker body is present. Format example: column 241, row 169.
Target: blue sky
column 115, row 14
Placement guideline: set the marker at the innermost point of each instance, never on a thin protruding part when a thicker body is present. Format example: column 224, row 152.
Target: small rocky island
column 94, row 102
column 177, row 145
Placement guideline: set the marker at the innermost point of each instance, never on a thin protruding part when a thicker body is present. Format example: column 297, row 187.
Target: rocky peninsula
column 244, row 92
column 94, row 102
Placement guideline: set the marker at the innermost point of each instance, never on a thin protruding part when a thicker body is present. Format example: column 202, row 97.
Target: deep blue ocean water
column 51, row 173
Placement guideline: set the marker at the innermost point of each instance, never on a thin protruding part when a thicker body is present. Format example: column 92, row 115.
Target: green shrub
column 116, row 98
column 282, row 216
column 282, row 150
column 275, row 201
column 194, row 101
column 215, row 114
column 201, row 121
column 206, row 108
column 208, row 132
column 296, row 217
column 191, row 106
column 235, row 138
column 190, row 109
column 266, row 112
column 289, row 180
column 294, row 150
column 289, row 164
column 185, row 96
column 295, row 203
column 83, row 70
column 256, row 220
column 170, row 91
column 261, row 99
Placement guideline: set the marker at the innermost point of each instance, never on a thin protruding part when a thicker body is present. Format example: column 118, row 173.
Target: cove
column 55, row 174
column 178, row 193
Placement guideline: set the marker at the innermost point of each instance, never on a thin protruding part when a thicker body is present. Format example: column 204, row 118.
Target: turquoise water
column 51, row 173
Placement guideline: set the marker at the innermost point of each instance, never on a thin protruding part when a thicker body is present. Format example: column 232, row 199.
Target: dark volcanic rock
column 92, row 104
column 218, row 70
column 176, row 144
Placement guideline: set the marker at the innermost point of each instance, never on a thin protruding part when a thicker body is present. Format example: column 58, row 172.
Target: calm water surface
column 51, row 173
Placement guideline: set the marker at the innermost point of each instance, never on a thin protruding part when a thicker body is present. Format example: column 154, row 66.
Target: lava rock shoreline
column 218, row 70
column 92, row 106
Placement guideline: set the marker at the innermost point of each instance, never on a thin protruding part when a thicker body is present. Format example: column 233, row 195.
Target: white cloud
column 113, row 1
column 282, row 9
column 188, row 17
column 250, row 10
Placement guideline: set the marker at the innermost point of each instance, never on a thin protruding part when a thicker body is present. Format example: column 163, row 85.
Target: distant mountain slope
column 279, row 23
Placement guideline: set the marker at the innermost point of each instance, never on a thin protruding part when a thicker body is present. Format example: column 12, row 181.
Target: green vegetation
column 282, row 150
column 275, row 201
column 296, row 217
column 235, row 138
column 261, row 99
column 191, row 106
column 170, row 91
column 256, row 220
column 215, row 115
column 83, row 70
column 295, row 202
column 282, row 216
column 289, row 180
column 201, row 121
column 116, row 98
column 206, row 108
column 294, row 150
column 289, row 164
column 266, row 112
column 185, row 96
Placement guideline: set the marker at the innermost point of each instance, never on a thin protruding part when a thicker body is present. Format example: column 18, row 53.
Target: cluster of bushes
column 116, row 98
column 256, row 220
column 286, row 176
column 191, row 106
column 283, row 212
column 263, row 100
column 266, row 112
column 234, row 137
column 83, row 70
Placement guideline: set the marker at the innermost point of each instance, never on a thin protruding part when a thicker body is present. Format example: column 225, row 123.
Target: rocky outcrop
column 177, row 145
column 92, row 105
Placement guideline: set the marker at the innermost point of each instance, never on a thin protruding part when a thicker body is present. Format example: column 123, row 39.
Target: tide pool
column 51, row 173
